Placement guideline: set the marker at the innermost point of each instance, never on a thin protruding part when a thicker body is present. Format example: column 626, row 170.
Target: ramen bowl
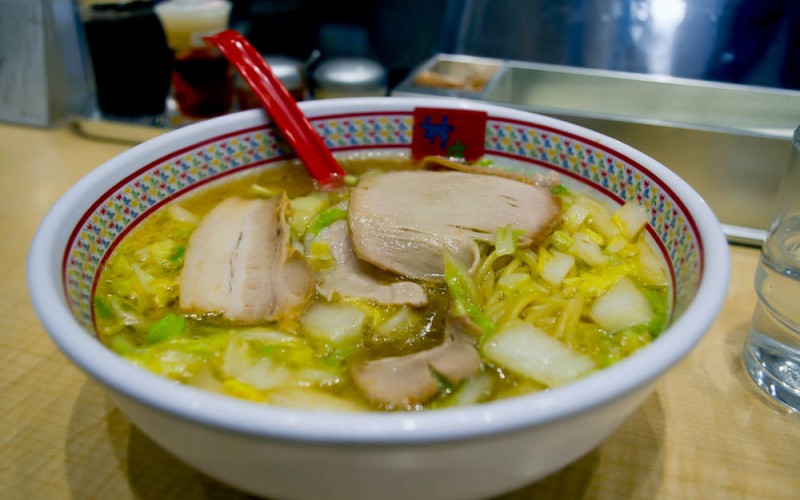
column 465, row 452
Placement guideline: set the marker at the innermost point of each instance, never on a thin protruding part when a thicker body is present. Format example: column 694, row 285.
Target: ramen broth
column 590, row 293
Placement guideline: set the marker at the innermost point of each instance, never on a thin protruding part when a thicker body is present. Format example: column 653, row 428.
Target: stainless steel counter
column 730, row 142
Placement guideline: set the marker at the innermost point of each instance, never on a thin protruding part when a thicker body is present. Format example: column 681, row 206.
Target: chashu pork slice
column 404, row 221
column 350, row 277
column 239, row 262
column 413, row 378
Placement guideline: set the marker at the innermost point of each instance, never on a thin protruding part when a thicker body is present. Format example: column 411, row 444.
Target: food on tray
column 472, row 82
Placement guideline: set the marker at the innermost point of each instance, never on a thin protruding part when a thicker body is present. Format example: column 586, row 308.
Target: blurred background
column 741, row 41
column 47, row 73
column 711, row 88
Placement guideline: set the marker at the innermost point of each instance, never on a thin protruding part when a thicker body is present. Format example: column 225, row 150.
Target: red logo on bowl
column 455, row 133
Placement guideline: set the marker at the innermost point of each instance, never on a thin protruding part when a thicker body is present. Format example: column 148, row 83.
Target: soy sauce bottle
column 131, row 60
column 202, row 79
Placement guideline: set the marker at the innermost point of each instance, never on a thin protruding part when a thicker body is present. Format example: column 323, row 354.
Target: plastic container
column 202, row 80
column 130, row 58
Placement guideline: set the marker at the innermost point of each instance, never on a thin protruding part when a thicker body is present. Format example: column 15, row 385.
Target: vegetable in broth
column 347, row 324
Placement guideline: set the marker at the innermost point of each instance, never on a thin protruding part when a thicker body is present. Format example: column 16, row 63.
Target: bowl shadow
column 629, row 464
column 124, row 453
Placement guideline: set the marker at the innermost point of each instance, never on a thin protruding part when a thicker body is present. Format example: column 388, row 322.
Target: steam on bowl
column 471, row 451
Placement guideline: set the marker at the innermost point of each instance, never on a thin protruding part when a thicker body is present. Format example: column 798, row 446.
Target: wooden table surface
column 704, row 433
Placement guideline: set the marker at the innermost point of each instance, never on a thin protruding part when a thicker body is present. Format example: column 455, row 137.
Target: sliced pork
column 350, row 277
column 407, row 380
column 403, row 221
column 239, row 263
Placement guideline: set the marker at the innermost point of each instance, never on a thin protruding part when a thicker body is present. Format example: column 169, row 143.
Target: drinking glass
column 772, row 350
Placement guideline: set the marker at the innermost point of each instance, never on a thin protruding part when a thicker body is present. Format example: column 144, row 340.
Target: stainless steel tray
column 730, row 142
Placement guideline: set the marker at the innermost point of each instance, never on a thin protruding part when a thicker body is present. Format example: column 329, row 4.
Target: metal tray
column 730, row 142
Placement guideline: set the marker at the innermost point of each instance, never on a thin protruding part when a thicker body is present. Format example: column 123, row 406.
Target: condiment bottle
column 349, row 77
column 287, row 69
column 202, row 80
column 130, row 58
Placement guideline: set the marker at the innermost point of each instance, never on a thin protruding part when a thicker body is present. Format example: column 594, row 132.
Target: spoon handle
column 280, row 105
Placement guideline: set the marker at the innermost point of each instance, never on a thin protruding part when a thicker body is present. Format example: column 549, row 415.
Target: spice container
column 202, row 80
column 287, row 69
column 130, row 58
column 349, row 77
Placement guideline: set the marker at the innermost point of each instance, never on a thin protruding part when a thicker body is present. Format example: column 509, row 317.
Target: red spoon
column 292, row 123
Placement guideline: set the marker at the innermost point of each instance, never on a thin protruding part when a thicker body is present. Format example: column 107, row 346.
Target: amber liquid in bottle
column 202, row 80
column 203, row 84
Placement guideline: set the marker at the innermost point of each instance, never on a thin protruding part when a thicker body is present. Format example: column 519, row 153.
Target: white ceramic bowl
column 459, row 453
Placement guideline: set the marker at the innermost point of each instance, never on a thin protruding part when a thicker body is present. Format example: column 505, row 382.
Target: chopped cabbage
column 303, row 210
column 622, row 306
column 334, row 323
column 403, row 323
column 630, row 218
column 531, row 352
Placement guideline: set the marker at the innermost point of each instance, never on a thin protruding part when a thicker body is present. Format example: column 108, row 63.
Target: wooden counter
column 704, row 433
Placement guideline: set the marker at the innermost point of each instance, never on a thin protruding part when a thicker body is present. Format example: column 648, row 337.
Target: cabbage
column 557, row 287
column 305, row 209
column 265, row 191
column 622, row 306
column 334, row 323
column 258, row 372
column 403, row 323
column 506, row 240
column 630, row 218
column 180, row 214
column 311, row 399
column 529, row 351
column 464, row 292
column 557, row 267
column 319, row 255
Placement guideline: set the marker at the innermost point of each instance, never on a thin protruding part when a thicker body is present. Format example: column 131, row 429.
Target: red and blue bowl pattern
column 535, row 144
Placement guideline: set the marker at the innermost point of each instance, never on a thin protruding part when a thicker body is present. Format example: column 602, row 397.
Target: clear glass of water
column 772, row 350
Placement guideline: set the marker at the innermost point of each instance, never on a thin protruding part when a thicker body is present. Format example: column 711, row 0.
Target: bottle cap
column 351, row 75
column 287, row 69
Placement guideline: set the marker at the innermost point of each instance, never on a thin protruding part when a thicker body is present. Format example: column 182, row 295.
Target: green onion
column 325, row 219
column 102, row 308
column 465, row 294
column 338, row 356
column 560, row 190
column 122, row 345
column 178, row 253
column 445, row 386
column 659, row 305
column 170, row 326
